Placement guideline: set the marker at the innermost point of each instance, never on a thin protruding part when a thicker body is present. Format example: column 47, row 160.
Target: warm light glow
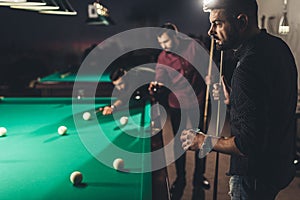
column 28, row 3
column 64, row 8
column 11, row 2
column 98, row 15
column 36, row 8
column 205, row 3
column 100, row 9
column 283, row 30
column 208, row 2
column 58, row 12
column 284, row 27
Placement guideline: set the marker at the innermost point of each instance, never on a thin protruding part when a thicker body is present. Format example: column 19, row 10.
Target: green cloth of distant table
column 62, row 85
column 71, row 77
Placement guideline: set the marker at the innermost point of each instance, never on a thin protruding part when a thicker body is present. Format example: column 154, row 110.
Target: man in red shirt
column 185, row 100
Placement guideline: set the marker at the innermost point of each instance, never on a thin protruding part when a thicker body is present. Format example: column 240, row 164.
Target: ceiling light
column 98, row 15
column 284, row 27
column 12, row 2
column 31, row 3
column 50, row 5
column 65, row 8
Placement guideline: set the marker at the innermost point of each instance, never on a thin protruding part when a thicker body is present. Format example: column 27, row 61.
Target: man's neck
column 251, row 33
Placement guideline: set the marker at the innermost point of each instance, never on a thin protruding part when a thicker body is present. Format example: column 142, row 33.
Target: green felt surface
column 71, row 77
column 36, row 162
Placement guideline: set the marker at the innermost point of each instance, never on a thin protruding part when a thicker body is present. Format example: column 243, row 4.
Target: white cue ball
column 62, row 130
column 123, row 120
column 86, row 116
column 3, row 131
column 76, row 178
column 118, row 164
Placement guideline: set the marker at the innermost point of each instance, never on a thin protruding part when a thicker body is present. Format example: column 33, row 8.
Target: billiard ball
column 3, row 131
column 62, row 130
column 86, row 116
column 76, row 178
column 123, row 120
column 118, row 164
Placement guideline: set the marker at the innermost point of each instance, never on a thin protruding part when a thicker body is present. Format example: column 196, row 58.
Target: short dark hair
column 169, row 28
column 233, row 7
column 118, row 73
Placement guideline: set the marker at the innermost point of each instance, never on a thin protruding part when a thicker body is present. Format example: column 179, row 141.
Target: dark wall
column 33, row 44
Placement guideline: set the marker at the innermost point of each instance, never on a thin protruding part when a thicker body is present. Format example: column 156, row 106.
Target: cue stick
column 99, row 109
column 215, row 191
column 64, row 75
column 208, row 85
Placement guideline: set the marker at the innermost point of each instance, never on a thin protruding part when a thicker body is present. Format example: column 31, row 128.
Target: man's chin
column 219, row 44
column 222, row 47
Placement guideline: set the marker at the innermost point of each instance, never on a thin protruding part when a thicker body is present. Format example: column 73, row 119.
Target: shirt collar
column 246, row 46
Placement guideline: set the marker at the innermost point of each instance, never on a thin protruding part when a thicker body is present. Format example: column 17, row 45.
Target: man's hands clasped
column 191, row 139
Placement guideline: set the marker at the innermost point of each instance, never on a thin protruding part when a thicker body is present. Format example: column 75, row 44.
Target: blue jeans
column 248, row 188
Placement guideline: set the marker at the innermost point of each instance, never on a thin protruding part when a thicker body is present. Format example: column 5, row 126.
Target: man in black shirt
column 261, row 102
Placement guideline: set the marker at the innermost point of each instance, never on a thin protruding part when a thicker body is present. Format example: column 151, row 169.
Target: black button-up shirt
column 262, row 111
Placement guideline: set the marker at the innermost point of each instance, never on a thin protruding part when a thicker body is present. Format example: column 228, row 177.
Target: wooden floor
column 292, row 192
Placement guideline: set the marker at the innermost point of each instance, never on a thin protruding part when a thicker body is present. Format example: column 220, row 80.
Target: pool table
column 60, row 84
column 36, row 162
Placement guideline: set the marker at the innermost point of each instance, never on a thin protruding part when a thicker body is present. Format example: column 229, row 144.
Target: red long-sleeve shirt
column 180, row 76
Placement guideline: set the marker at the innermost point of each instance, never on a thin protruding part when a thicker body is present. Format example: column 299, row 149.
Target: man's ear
column 242, row 22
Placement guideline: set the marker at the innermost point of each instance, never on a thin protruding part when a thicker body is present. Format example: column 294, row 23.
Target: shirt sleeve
column 161, row 73
column 244, row 109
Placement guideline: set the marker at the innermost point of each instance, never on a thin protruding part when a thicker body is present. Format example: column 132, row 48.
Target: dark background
column 33, row 45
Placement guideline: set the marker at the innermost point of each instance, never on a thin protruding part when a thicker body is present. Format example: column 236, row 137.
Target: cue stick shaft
column 208, row 85
column 217, row 133
column 65, row 75
column 219, row 102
